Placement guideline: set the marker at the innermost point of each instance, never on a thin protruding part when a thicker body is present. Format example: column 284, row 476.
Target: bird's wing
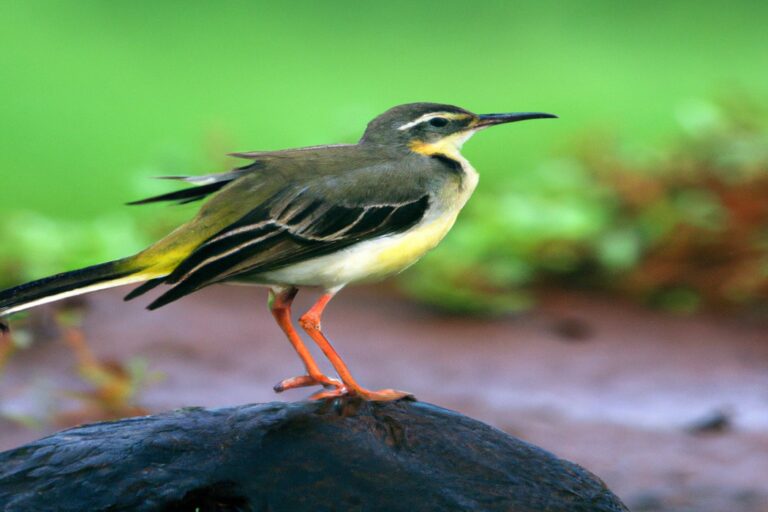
column 302, row 219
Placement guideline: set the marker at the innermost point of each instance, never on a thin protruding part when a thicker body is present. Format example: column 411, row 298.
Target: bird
column 319, row 217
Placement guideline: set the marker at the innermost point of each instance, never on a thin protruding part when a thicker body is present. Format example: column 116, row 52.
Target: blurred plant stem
column 7, row 348
column 114, row 386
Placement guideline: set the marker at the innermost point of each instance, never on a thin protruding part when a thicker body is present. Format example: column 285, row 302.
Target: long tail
column 69, row 284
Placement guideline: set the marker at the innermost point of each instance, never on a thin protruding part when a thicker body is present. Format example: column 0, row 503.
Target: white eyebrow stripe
column 427, row 117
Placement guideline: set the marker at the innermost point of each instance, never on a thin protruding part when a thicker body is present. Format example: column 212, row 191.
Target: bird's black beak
column 493, row 119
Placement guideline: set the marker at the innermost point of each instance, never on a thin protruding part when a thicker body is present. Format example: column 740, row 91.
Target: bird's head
column 432, row 128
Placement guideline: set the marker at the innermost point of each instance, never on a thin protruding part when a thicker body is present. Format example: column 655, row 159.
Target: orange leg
column 310, row 322
column 280, row 305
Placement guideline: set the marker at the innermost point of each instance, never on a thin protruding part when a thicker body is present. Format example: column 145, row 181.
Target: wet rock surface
column 322, row 456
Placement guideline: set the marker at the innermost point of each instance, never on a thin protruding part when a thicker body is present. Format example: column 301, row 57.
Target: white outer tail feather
column 136, row 278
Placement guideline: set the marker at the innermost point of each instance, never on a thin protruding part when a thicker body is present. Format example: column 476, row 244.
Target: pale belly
column 367, row 261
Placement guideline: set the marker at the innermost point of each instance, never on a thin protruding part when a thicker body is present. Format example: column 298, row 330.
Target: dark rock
column 344, row 455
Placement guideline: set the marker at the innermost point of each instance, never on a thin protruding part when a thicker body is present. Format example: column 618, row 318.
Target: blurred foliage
column 93, row 91
column 46, row 246
column 677, row 227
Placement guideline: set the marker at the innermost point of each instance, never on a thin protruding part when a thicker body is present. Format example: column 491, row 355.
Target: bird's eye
column 438, row 122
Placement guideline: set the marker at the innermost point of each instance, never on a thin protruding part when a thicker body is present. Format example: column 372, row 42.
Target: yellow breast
column 403, row 250
column 370, row 260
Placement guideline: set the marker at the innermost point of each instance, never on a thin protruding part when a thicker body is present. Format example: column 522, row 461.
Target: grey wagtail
column 322, row 217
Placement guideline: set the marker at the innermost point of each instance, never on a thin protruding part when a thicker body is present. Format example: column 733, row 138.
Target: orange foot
column 307, row 380
column 382, row 395
column 330, row 393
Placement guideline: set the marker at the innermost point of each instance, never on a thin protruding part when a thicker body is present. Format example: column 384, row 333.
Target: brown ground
column 605, row 384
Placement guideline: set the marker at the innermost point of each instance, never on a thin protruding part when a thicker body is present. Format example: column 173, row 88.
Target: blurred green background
column 96, row 97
